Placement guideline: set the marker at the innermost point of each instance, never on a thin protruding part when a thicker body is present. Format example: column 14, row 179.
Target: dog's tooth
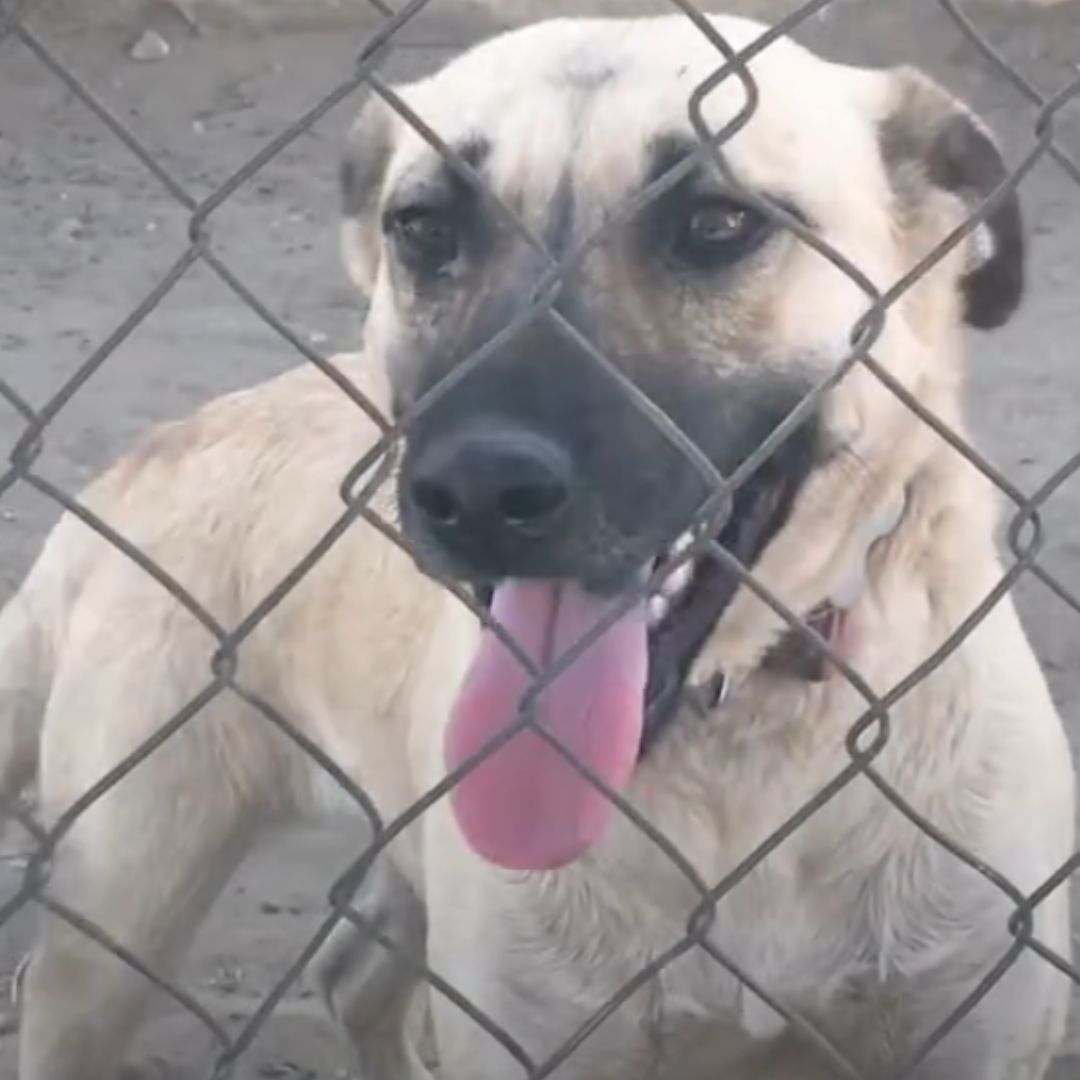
column 677, row 580
column 683, row 542
column 658, row 609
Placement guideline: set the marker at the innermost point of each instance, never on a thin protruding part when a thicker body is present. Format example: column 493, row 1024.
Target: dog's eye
column 427, row 239
column 718, row 232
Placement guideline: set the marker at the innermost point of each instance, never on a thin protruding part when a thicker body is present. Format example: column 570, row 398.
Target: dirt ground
column 85, row 230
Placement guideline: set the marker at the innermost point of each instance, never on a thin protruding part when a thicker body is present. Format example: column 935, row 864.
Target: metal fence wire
column 867, row 738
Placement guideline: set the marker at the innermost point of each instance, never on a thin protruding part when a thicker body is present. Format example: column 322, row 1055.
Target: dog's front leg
column 368, row 981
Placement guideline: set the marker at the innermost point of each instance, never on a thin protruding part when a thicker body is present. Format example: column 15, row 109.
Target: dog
column 538, row 480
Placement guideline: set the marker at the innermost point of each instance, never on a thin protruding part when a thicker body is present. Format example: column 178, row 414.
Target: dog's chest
column 821, row 929
column 696, row 1018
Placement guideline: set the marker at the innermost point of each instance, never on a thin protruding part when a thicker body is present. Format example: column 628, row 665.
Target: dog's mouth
column 695, row 592
column 621, row 664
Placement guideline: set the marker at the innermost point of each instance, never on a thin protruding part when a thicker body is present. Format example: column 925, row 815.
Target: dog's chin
column 695, row 587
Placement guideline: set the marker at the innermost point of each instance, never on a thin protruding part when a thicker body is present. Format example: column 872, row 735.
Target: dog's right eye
column 717, row 232
column 427, row 240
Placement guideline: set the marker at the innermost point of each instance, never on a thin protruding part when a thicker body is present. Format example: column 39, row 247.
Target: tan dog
column 535, row 480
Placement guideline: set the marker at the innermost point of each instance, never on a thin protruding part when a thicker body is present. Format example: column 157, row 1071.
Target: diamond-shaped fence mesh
column 225, row 674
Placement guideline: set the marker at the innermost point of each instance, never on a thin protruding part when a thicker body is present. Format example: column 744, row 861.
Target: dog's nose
column 494, row 484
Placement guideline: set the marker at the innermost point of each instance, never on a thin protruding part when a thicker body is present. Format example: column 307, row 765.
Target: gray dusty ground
column 85, row 231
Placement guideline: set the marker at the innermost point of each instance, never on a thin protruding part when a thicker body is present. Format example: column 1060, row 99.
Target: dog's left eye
column 718, row 232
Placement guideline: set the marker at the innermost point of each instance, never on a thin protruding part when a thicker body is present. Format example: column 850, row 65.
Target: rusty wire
column 866, row 740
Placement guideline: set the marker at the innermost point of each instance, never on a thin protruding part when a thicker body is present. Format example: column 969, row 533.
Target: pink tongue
column 525, row 807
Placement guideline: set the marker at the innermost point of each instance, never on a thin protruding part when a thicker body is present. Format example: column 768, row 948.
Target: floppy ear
column 363, row 169
column 930, row 138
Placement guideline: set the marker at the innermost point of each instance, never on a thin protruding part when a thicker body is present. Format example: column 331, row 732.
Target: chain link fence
column 866, row 740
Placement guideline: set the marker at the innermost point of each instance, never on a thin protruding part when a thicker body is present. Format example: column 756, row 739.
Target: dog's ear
column 368, row 147
column 930, row 138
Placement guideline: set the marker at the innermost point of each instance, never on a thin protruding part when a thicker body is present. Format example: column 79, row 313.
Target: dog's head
column 534, row 473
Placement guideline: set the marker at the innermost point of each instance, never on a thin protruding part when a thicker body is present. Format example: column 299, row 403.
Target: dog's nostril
column 533, row 504
column 490, row 483
column 437, row 503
